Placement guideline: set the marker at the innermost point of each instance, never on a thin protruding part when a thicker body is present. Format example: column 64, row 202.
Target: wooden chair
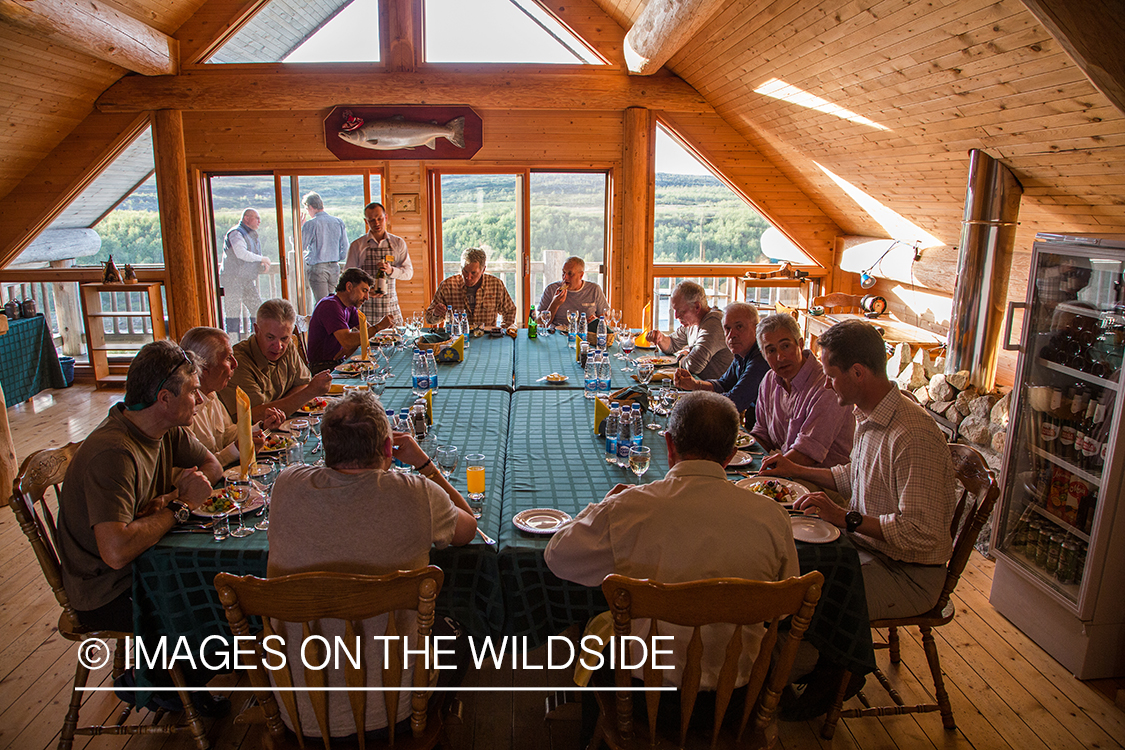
column 695, row 604
column 308, row 597
column 978, row 494
column 39, row 472
column 838, row 302
column 301, row 333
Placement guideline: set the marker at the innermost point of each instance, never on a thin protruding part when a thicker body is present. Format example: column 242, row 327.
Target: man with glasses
column 797, row 414
column 119, row 498
column 270, row 369
column 371, row 252
column 481, row 294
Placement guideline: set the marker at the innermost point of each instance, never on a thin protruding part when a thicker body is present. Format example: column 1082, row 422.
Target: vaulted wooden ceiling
column 940, row 76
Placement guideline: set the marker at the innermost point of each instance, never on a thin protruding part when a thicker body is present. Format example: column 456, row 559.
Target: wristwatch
column 852, row 520
column 180, row 511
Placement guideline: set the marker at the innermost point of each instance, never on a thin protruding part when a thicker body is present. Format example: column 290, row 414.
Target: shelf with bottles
column 1062, row 463
column 1071, row 372
column 1051, row 551
column 1062, row 496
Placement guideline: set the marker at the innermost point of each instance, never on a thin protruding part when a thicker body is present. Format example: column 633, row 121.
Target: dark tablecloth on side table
column 28, row 360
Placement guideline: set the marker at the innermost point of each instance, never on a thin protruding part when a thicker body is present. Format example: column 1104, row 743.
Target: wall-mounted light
column 866, row 279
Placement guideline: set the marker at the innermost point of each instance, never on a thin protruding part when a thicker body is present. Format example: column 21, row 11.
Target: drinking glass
column 639, row 459
column 474, row 477
column 447, row 458
column 627, row 346
column 264, row 472
column 377, row 382
column 300, row 427
column 644, row 372
column 668, row 398
column 220, row 527
column 239, row 491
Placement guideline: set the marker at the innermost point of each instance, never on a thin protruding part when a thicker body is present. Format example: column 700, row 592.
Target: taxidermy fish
column 397, row 132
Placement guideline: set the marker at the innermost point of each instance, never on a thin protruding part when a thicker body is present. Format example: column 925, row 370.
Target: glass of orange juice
column 474, row 475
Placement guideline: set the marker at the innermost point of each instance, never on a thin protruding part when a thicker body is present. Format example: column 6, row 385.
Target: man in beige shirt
column 270, row 369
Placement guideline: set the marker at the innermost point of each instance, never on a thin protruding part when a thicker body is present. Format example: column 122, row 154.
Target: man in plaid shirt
column 482, row 294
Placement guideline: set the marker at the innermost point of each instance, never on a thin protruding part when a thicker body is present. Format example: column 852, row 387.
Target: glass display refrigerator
column 1059, row 533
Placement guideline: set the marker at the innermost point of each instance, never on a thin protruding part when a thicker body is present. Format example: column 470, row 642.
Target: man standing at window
column 371, row 252
column 242, row 262
column 326, row 244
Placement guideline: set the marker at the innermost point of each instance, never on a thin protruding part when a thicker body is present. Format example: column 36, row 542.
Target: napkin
column 364, row 343
column 641, row 340
column 246, row 455
column 601, row 411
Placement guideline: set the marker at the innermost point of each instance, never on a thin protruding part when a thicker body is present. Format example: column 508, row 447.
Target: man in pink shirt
column 796, row 414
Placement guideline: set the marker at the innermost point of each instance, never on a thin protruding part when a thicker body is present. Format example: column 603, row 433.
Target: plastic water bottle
column 420, row 373
column 603, row 371
column 624, row 436
column 601, row 333
column 612, row 425
column 465, row 329
column 431, row 368
column 591, row 381
column 583, row 326
column 638, row 426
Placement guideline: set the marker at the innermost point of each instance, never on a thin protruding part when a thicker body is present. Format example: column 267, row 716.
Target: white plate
column 289, row 443
column 814, row 530
column 257, row 500
column 741, row 458
column 556, row 381
column 796, row 488
column 540, row 520
column 744, row 440
column 305, row 410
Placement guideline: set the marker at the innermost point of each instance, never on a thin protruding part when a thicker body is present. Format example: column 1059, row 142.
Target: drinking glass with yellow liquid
column 474, row 476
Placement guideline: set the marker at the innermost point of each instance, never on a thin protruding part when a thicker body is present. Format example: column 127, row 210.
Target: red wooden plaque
column 402, row 132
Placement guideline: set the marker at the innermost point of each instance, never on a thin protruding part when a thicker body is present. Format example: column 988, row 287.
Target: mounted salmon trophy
column 357, row 132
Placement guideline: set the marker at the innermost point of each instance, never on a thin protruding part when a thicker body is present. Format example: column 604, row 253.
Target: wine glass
column 627, row 346
column 447, row 458
column 644, row 372
column 264, row 472
column 376, row 382
column 668, row 398
column 301, row 427
column 639, row 459
column 239, row 493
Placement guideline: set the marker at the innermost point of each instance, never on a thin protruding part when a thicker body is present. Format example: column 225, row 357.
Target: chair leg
column 70, row 723
column 944, row 705
column 892, row 643
column 119, row 658
column 833, row 716
column 191, row 716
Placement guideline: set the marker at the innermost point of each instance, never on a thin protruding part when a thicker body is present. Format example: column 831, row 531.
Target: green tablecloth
column 28, row 360
column 548, row 353
column 488, row 364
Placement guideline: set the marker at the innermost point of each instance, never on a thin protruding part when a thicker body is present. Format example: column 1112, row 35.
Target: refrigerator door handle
column 1008, row 346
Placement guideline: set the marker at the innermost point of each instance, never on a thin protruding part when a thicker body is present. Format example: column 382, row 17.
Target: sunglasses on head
column 178, row 365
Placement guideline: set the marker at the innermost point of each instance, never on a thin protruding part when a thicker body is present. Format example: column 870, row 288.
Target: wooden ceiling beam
column 96, row 30
column 664, row 27
column 212, row 25
column 1090, row 31
column 282, row 87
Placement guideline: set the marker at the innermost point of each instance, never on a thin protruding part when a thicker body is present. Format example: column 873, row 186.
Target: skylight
column 779, row 89
column 512, row 31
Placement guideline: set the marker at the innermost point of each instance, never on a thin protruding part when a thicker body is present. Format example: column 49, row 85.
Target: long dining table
column 541, row 452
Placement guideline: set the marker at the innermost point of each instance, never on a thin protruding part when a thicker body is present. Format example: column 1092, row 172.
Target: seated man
column 693, row 524
column 334, row 327
column 270, row 369
column 356, row 516
column 212, row 425
column 797, row 414
column 741, row 380
column 699, row 339
column 899, row 486
column 482, row 294
column 572, row 293
column 118, row 498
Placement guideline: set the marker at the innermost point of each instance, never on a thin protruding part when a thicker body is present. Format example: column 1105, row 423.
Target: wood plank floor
column 1007, row 693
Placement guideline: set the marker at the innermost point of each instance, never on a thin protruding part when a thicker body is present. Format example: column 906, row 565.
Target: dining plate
column 219, row 505
column 658, row 360
column 277, row 444
column 351, row 369
column 744, row 440
column 784, row 491
column 316, row 406
column 815, row 530
column 741, row 458
column 556, row 378
column 540, row 520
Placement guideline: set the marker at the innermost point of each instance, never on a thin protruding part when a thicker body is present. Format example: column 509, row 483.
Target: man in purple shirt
column 334, row 327
column 797, row 414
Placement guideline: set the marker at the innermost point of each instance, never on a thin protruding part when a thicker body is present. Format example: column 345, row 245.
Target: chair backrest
column 301, row 333
column 837, row 302
column 975, row 500
column 717, row 600
column 306, row 598
column 40, row 472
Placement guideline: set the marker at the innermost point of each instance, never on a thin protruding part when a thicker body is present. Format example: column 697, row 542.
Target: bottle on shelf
column 1065, row 445
column 532, row 325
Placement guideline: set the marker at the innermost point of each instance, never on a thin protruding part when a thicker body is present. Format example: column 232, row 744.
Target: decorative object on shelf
column 363, row 132
column 12, row 309
column 110, row 274
column 873, row 305
column 29, row 308
column 130, row 275
column 404, row 203
column 785, row 271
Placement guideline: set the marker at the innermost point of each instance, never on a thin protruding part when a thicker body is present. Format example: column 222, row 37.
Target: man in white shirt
column 241, row 263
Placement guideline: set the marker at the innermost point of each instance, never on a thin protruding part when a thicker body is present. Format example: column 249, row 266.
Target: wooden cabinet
column 95, row 314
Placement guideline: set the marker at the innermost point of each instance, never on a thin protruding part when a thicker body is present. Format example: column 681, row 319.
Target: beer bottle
column 532, row 326
column 1049, row 429
column 1065, row 448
